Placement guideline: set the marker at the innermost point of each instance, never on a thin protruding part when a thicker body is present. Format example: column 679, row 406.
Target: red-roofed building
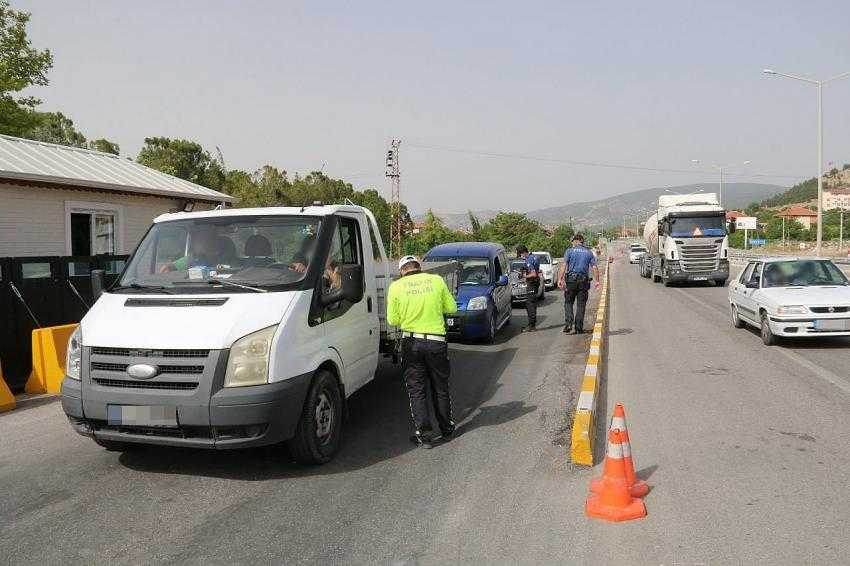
column 803, row 215
column 733, row 214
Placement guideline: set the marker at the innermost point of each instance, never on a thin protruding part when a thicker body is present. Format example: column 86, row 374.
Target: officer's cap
column 407, row 259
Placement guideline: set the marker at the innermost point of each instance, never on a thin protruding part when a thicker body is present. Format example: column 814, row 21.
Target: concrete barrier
column 581, row 447
column 7, row 400
column 49, row 346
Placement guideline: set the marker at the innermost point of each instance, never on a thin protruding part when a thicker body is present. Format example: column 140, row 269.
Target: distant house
column 732, row 215
column 802, row 215
column 418, row 227
column 836, row 197
column 57, row 200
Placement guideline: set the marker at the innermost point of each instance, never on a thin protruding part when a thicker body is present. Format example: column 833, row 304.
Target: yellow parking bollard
column 49, row 346
column 7, row 400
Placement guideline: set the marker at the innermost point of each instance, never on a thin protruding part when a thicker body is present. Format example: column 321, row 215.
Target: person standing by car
column 574, row 279
column 531, row 272
column 417, row 303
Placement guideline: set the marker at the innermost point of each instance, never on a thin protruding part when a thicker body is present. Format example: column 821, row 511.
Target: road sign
column 757, row 241
column 746, row 222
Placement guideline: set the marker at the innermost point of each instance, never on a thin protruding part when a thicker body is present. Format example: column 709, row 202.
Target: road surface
column 747, row 446
column 494, row 494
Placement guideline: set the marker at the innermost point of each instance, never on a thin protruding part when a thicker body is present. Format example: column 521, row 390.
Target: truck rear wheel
column 319, row 430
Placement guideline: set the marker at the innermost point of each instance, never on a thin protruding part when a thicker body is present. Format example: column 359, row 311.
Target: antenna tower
column 393, row 173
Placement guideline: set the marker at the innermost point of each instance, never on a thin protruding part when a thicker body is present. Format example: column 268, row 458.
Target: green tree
column 560, row 240
column 105, row 146
column 475, row 226
column 511, row 229
column 21, row 66
column 184, row 159
column 55, row 127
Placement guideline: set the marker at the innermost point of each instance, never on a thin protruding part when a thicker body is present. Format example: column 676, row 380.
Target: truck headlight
column 74, row 356
column 248, row 363
column 477, row 304
column 791, row 309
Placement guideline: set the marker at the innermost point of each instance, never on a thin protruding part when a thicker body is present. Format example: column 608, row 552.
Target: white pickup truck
column 235, row 328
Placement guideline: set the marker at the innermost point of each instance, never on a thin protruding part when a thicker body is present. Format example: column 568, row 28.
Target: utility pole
column 394, row 174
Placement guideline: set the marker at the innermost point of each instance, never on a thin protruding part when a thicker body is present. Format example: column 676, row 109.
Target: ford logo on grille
column 142, row 371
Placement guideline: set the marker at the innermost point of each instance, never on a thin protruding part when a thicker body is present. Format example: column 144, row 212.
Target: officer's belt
column 434, row 337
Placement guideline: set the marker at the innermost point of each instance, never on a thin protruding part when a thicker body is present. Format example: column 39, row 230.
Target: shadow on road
column 376, row 431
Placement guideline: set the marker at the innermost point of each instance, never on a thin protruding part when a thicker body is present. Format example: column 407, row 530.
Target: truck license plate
column 834, row 324
column 140, row 415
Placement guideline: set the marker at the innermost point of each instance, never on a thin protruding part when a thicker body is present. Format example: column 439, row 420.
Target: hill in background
column 808, row 189
column 610, row 211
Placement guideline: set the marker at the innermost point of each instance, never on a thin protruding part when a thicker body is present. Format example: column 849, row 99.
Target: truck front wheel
column 319, row 430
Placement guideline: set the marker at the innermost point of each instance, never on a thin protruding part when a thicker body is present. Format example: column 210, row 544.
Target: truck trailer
column 686, row 240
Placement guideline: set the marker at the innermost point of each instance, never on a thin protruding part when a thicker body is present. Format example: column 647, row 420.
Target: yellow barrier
column 7, row 400
column 581, row 445
column 49, row 346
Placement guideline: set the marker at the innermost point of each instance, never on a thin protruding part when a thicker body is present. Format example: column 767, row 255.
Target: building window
column 93, row 228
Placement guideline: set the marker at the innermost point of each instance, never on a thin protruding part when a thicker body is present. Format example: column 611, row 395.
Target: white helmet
column 407, row 259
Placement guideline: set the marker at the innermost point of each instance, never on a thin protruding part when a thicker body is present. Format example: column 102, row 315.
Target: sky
column 473, row 89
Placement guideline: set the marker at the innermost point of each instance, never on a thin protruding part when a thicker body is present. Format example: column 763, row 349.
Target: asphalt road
column 502, row 492
column 747, row 447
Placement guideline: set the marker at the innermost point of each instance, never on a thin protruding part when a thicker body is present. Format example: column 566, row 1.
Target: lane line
column 816, row 369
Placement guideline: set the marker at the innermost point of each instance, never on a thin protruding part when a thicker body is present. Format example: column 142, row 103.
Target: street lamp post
column 720, row 168
column 819, row 84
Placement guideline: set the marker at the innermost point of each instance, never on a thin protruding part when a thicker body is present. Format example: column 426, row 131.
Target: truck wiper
column 225, row 283
column 140, row 287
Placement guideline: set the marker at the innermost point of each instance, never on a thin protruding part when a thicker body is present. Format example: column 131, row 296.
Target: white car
column 547, row 268
column 635, row 253
column 791, row 297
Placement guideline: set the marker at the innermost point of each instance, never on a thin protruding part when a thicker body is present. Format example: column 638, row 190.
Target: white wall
column 32, row 219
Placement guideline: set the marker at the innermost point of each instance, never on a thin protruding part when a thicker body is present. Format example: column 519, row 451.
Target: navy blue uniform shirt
column 532, row 263
column 579, row 260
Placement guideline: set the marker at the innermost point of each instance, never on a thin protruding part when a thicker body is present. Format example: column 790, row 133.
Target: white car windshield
column 802, row 273
column 257, row 251
column 543, row 258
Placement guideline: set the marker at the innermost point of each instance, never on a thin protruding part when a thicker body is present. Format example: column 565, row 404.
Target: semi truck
column 236, row 328
column 686, row 240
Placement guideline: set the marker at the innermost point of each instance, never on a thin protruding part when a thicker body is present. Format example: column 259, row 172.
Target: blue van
column 484, row 296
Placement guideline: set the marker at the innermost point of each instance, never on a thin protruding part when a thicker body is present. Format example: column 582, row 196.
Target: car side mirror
column 503, row 280
column 350, row 289
column 752, row 285
column 98, row 282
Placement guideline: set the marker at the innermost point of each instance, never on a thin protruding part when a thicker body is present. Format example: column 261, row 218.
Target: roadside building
column 732, row 215
column 58, row 201
column 805, row 217
column 836, row 197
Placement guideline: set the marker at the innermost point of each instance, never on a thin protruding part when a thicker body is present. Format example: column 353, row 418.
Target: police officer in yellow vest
column 416, row 304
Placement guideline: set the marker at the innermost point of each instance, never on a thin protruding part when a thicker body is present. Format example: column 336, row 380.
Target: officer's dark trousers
column 426, row 366
column 579, row 297
column 531, row 301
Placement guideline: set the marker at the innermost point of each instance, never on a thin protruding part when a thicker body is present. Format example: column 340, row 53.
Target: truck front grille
column 126, row 384
column 147, row 353
column 700, row 257
column 188, row 370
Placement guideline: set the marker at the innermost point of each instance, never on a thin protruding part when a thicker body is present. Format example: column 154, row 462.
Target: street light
column 819, row 84
column 720, row 169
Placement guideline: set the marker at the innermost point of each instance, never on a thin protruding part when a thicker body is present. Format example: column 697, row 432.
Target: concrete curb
column 581, row 447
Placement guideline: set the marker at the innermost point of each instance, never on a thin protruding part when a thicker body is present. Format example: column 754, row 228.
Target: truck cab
column 233, row 328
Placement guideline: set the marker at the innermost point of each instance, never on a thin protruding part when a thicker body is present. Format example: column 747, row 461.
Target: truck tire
column 767, row 335
column 720, row 282
column 656, row 278
column 116, row 445
column 319, row 430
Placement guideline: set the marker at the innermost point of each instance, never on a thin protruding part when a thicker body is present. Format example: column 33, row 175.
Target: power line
column 603, row 164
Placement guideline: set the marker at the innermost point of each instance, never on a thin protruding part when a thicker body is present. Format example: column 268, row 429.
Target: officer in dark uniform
column 574, row 279
column 532, row 280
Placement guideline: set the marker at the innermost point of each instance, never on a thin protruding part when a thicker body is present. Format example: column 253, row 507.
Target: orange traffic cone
column 638, row 488
column 614, row 502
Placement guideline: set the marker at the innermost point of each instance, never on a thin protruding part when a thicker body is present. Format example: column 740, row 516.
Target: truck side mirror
column 350, row 289
column 732, row 227
column 97, row 283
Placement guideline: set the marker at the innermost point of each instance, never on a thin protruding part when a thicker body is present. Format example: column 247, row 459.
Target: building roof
column 733, row 214
column 798, row 211
column 47, row 163
column 838, row 191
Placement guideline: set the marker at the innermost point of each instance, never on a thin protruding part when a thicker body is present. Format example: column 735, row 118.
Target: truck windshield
column 803, row 273
column 473, row 270
column 259, row 251
column 710, row 226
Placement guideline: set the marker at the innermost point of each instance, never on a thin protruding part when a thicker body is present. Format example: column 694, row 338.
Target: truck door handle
column 369, row 304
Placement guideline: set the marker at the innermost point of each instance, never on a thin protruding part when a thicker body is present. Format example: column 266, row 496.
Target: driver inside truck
column 301, row 258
